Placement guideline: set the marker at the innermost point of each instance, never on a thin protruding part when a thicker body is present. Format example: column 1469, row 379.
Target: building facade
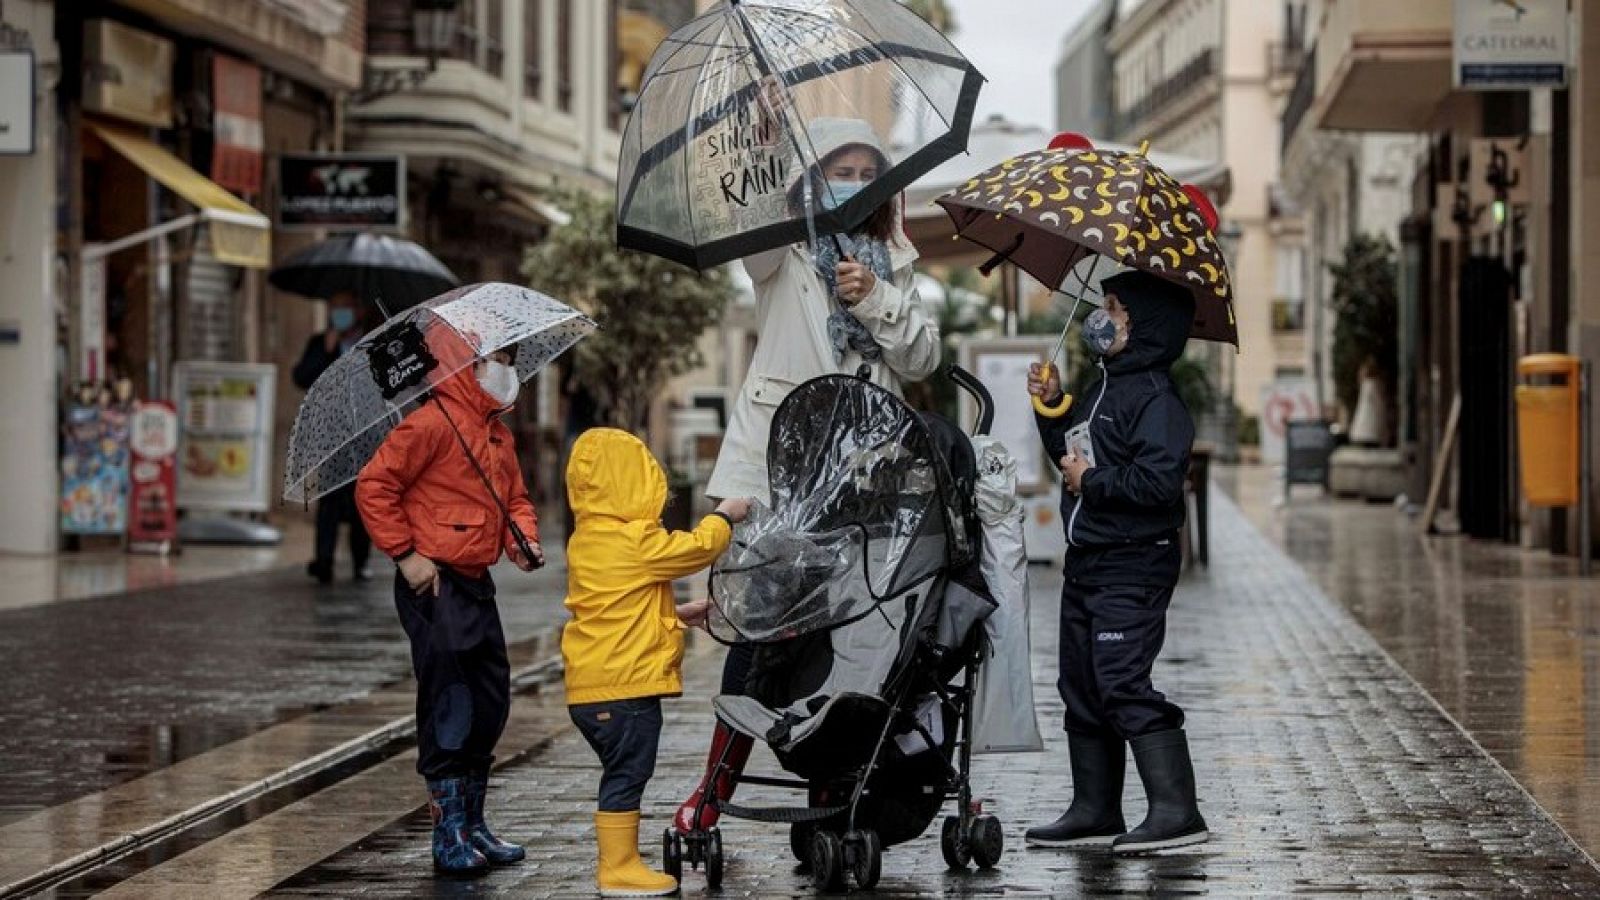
column 1083, row 74
column 1204, row 78
column 145, row 203
column 1496, row 257
column 141, row 223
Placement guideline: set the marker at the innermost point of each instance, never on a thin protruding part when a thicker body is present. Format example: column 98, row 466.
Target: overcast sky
column 1014, row 43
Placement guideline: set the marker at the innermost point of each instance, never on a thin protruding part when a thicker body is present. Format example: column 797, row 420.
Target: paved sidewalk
column 104, row 690
column 1507, row 640
column 1322, row 769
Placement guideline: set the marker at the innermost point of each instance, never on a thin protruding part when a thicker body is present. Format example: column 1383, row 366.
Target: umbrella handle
column 1061, row 406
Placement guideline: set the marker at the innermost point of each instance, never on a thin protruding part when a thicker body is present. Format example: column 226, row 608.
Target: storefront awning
column 240, row 236
column 543, row 211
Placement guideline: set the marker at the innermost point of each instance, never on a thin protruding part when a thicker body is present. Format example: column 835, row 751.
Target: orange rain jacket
column 625, row 640
column 421, row 493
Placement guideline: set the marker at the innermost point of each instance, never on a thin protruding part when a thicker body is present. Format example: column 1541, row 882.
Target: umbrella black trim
column 664, row 148
column 705, row 256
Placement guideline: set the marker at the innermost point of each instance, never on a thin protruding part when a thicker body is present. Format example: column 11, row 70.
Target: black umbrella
column 394, row 273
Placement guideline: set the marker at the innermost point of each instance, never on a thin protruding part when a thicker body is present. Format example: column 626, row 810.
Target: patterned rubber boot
column 496, row 851
column 453, row 853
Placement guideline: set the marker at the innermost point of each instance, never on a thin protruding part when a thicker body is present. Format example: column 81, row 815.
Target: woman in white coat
column 820, row 314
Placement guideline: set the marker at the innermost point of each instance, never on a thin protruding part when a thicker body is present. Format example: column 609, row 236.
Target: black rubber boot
column 1099, row 764
column 1168, row 775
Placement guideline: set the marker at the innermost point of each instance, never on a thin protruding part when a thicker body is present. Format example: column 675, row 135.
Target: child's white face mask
column 499, row 381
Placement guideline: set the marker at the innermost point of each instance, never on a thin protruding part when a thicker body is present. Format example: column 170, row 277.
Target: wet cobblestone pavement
column 1323, row 769
column 101, row 691
column 1507, row 640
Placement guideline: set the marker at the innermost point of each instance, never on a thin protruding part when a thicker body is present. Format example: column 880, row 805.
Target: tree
column 1367, row 318
column 651, row 312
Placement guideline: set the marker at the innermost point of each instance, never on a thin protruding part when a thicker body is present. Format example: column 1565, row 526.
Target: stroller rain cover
column 864, row 507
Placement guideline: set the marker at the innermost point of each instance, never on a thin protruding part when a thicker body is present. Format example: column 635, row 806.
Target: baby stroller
column 862, row 589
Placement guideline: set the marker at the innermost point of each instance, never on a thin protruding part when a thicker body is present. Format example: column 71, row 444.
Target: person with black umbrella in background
column 345, row 327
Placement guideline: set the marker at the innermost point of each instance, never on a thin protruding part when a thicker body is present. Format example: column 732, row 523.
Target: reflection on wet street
column 1506, row 640
column 104, row 690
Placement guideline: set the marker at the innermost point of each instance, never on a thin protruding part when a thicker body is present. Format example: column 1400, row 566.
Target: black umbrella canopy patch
column 401, row 361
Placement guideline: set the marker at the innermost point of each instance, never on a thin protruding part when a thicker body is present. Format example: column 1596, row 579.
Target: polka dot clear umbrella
column 367, row 391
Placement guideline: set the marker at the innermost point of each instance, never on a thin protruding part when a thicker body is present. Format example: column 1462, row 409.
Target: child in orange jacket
column 623, row 648
column 425, row 504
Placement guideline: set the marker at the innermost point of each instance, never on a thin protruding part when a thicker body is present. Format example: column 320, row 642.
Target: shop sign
column 94, row 466
column 1308, row 452
column 16, row 102
column 153, row 501
column 128, row 73
column 225, row 435
column 236, row 155
column 351, row 192
column 1510, row 46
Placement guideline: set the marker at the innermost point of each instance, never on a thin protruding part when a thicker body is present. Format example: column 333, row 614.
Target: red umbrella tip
column 1207, row 211
column 1069, row 140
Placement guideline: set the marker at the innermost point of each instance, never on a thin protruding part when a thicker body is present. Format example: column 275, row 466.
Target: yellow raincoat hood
column 613, row 475
column 624, row 640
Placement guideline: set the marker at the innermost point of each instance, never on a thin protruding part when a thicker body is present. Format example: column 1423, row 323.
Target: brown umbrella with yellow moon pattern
column 1047, row 210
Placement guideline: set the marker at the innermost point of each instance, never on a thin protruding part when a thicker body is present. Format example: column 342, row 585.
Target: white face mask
column 499, row 381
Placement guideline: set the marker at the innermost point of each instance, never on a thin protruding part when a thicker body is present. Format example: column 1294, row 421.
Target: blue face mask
column 341, row 318
column 1099, row 332
column 838, row 193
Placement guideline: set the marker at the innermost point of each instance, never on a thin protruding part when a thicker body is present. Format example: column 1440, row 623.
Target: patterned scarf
column 845, row 331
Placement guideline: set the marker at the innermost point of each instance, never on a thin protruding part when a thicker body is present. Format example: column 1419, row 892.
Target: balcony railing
column 1300, row 97
column 1288, row 316
column 1171, row 89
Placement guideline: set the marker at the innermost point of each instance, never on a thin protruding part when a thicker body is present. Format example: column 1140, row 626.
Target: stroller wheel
column 987, row 840
column 672, row 854
column 867, row 864
column 800, row 842
column 953, row 844
column 714, row 858
column 827, row 861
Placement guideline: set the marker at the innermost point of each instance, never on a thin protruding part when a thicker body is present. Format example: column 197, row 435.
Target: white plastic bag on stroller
column 1004, row 720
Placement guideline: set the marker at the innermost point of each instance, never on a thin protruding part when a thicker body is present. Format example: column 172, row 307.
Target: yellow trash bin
column 1548, row 428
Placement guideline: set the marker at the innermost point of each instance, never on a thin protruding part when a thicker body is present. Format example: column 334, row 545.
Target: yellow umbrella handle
column 1062, row 405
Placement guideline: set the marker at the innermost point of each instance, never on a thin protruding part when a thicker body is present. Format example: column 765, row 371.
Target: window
column 1288, row 303
column 494, row 42
column 564, row 55
column 465, row 45
column 532, row 48
column 389, row 28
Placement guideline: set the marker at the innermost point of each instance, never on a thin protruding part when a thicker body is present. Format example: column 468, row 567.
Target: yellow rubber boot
column 622, row 873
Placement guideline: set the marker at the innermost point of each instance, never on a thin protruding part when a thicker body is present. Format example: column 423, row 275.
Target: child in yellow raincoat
column 624, row 645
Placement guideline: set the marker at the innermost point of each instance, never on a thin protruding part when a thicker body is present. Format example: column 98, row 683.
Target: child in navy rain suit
column 1124, row 452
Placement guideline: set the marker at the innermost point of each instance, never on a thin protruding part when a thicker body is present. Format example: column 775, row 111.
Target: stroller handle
column 970, row 383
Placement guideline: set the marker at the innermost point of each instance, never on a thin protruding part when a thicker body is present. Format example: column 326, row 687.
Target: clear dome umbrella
column 739, row 105
column 367, row 391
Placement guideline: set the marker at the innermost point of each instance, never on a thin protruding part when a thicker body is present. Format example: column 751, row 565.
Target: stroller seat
column 862, row 656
